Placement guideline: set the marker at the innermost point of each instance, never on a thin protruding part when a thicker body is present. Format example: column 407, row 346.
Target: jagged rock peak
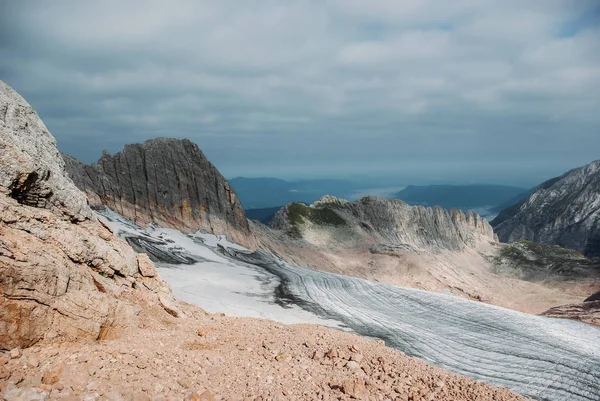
column 391, row 221
column 31, row 169
column 562, row 211
column 166, row 181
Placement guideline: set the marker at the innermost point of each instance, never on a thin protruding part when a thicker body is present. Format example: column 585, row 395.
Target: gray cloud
column 418, row 90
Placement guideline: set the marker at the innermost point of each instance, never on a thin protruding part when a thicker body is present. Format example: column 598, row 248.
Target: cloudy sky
column 413, row 90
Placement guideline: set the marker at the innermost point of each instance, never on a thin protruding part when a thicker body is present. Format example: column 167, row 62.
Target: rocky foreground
column 199, row 356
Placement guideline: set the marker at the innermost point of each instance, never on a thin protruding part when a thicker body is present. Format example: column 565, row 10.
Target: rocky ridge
column 563, row 211
column 391, row 221
column 164, row 181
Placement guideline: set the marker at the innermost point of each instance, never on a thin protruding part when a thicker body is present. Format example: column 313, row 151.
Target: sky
column 413, row 91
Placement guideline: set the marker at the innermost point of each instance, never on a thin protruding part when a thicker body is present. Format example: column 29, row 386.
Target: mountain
column 260, row 193
column 564, row 211
column 164, row 181
column 263, row 215
column 63, row 274
column 394, row 222
column 464, row 197
column 514, row 200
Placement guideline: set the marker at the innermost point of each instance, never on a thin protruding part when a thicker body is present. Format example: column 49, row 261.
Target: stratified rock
column 563, row 211
column 391, row 221
column 588, row 312
column 164, row 181
column 62, row 273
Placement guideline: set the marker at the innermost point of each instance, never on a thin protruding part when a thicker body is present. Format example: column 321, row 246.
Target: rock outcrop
column 563, row 211
column 588, row 312
column 164, row 181
column 387, row 221
column 31, row 167
column 63, row 274
column 533, row 261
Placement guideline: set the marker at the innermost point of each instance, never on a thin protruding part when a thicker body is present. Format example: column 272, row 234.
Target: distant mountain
column 264, row 215
column 485, row 199
column 563, row 211
column 260, row 193
column 512, row 201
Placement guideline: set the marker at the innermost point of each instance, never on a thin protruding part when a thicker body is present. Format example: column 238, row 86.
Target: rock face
column 63, row 274
column 164, row 181
column 391, row 221
column 563, row 211
column 588, row 312
column 31, row 167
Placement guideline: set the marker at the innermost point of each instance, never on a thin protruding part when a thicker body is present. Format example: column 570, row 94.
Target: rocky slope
column 164, row 181
column 564, row 211
column 63, row 274
column 211, row 357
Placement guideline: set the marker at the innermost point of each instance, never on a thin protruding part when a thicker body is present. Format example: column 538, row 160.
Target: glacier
column 543, row 358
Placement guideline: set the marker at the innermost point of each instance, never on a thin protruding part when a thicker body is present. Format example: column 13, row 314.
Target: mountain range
column 486, row 199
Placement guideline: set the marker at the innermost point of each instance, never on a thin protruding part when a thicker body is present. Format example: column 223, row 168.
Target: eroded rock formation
column 164, row 181
column 63, row 274
column 387, row 221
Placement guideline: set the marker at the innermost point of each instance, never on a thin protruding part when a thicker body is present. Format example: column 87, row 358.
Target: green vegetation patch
column 298, row 213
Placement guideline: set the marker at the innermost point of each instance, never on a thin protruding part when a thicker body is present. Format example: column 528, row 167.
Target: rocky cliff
column 164, row 181
column 387, row 221
column 563, row 211
column 63, row 274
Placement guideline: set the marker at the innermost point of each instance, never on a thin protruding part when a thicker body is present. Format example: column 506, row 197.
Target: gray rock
column 31, row 169
column 393, row 223
column 164, row 181
column 563, row 211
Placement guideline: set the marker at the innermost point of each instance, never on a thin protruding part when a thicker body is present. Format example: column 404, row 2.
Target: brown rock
column 355, row 388
column 145, row 265
column 59, row 277
column 15, row 353
column 186, row 382
column 169, row 306
column 203, row 332
column 332, row 353
column 283, row 357
column 53, row 375
column 204, row 396
column 352, row 365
